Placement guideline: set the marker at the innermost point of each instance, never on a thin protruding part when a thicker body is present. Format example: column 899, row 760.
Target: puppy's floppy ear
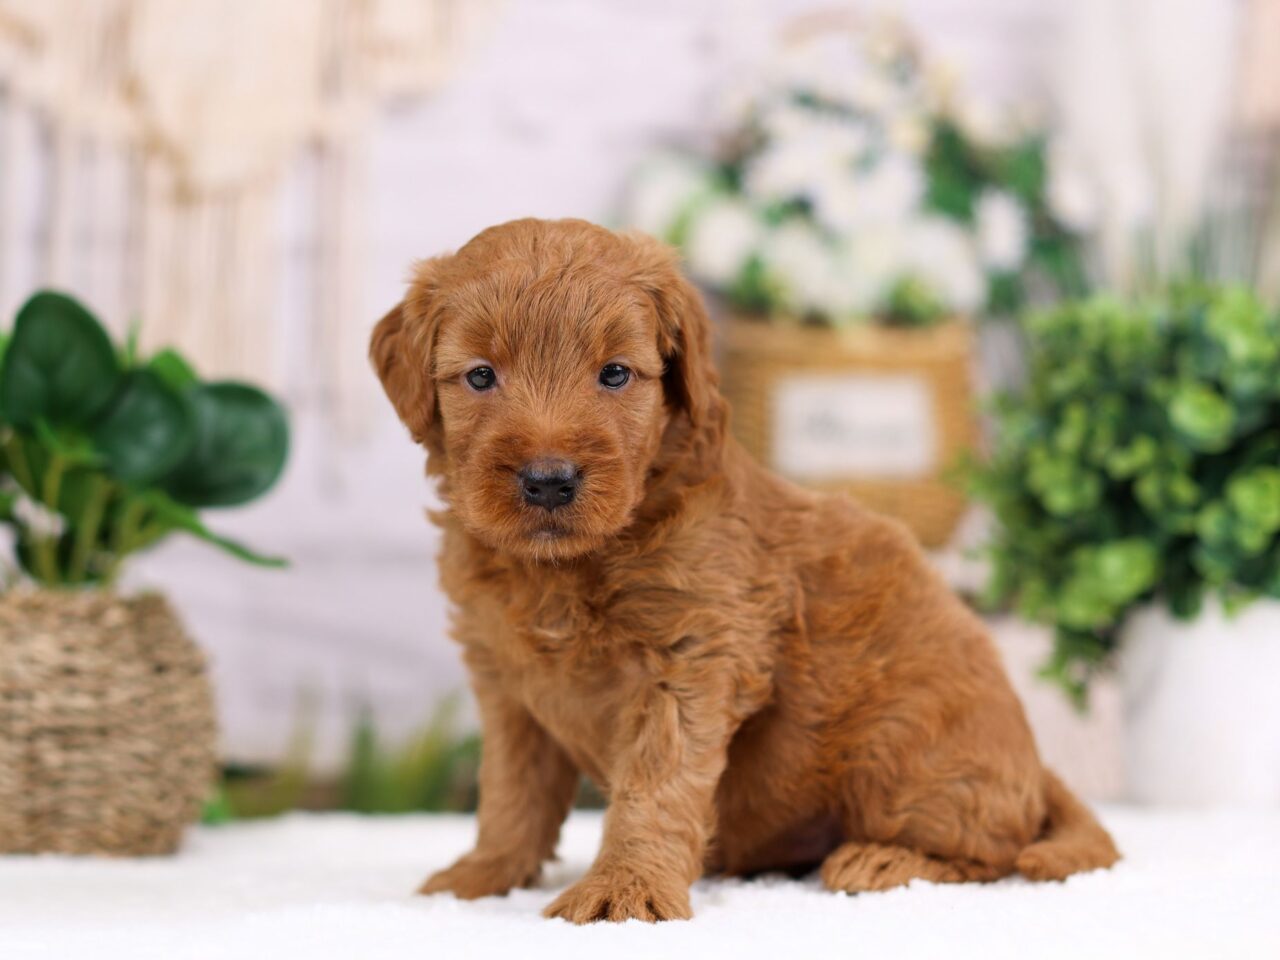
column 684, row 331
column 400, row 350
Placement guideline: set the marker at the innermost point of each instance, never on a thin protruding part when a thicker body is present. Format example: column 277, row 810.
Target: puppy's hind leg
column 857, row 867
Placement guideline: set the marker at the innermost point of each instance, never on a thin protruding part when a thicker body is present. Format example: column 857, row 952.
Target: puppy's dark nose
column 549, row 483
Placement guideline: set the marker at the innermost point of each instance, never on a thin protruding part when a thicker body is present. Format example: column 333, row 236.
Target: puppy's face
column 551, row 405
column 541, row 366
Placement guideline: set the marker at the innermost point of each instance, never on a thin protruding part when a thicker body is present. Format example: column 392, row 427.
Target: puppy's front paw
column 618, row 896
column 481, row 875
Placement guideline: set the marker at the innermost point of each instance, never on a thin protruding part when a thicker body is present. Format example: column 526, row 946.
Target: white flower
column 836, row 196
column 723, row 235
column 976, row 119
column 872, row 93
column 984, row 123
column 798, row 260
column 930, row 249
column 781, row 171
column 942, row 83
column 784, row 119
column 828, row 66
column 909, row 132
column 847, row 200
column 894, row 188
column 941, row 253
column 780, row 119
column 39, row 520
column 804, row 148
column 888, row 38
column 849, row 297
column 662, row 191
column 867, row 266
column 1002, row 230
column 1072, row 197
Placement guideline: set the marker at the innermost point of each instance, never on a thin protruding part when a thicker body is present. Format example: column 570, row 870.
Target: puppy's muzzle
column 549, row 483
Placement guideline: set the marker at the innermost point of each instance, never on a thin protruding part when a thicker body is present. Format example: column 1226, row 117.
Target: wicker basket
column 880, row 413
column 107, row 734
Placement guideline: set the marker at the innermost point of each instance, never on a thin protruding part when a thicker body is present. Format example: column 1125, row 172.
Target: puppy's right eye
column 481, row 378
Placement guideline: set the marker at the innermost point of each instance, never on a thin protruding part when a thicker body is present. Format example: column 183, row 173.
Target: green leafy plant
column 104, row 452
column 435, row 770
column 1140, row 463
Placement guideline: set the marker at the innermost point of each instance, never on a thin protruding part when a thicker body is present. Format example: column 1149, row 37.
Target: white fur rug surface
column 316, row 887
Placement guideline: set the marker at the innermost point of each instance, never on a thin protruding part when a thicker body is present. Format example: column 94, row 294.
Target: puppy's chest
column 571, row 661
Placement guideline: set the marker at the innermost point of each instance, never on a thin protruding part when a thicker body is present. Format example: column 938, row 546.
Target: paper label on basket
column 853, row 425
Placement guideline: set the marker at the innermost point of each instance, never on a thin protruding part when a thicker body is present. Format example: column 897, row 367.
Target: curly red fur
column 757, row 676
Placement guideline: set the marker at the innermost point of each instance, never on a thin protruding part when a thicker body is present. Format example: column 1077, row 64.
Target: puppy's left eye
column 481, row 378
column 614, row 375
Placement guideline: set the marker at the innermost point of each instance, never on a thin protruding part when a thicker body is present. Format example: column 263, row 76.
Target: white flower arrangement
column 722, row 237
column 858, row 184
column 1002, row 230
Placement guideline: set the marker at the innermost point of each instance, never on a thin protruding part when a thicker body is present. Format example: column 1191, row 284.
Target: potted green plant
column 107, row 736
column 859, row 211
column 1135, row 487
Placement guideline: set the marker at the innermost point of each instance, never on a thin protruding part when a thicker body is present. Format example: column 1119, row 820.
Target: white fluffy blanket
column 337, row 886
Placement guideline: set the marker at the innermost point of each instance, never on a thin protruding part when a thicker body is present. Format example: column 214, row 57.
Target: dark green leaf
column 129, row 355
column 912, row 302
column 69, row 443
column 173, row 369
column 1202, row 415
column 1255, row 498
column 242, row 440
column 147, row 431
column 1023, row 168
column 59, row 365
column 178, row 516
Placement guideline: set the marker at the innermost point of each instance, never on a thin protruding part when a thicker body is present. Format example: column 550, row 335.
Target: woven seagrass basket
column 878, row 412
column 107, row 732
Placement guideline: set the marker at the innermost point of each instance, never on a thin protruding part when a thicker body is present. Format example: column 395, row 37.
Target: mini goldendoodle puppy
column 758, row 677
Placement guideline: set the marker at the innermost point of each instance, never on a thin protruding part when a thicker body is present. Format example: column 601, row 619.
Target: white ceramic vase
column 1202, row 706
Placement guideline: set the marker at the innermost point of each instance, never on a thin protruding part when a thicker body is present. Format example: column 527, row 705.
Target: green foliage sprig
column 104, row 453
column 1141, row 462
column 961, row 168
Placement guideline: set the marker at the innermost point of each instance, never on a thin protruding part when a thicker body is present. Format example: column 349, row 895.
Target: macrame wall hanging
column 147, row 143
